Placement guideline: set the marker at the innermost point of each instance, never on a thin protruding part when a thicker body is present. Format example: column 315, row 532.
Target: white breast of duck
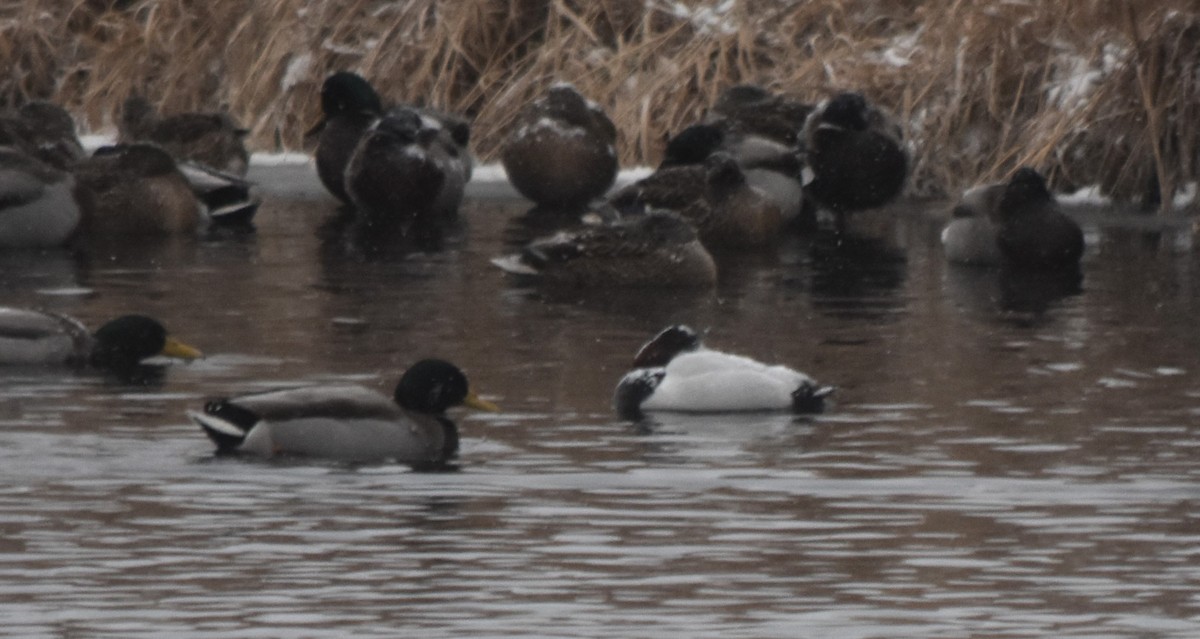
column 37, row 203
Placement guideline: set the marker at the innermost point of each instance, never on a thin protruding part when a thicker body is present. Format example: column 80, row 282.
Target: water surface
column 1004, row 458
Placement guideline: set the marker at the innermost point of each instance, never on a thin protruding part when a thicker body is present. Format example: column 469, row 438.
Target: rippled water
column 1003, row 459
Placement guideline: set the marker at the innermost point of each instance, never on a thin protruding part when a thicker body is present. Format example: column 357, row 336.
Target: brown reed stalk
column 1089, row 91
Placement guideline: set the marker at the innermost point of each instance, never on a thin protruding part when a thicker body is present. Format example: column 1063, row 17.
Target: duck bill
column 473, row 401
column 177, row 349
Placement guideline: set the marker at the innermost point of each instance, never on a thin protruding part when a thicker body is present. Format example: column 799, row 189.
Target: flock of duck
column 760, row 165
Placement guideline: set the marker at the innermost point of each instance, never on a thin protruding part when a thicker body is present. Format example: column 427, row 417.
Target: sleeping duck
column 714, row 196
column 1016, row 223
column 134, row 190
column 657, row 249
column 36, row 337
column 561, row 152
column 402, row 174
column 772, row 167
column 675, row 372
column 856, row 154
column 1031, row 229
column 750, row 109
column 37, row 203
column 348, row 422
column 212, row 139
column 970, row 235
column 47, row 132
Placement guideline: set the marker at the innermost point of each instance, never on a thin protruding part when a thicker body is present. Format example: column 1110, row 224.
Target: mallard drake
column 561, row 151
column 714, row 196
column 674, row 371
column 211, row 139
column 402, row 175
column 37, row 203
column 350, row 105
column 970, row 235
column 38, row 337
column 348, row 422
column 657, row 249
column 856, row 153
column 752, row 110
column 134, row 190
column 1031, row 229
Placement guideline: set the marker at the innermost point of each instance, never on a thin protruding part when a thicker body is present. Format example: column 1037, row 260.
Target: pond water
column 1002, row 459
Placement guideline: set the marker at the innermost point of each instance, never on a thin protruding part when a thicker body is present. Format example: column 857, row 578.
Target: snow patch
column 298, row 69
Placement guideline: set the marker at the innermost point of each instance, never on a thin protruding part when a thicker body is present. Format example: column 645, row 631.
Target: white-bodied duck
column 676, row 372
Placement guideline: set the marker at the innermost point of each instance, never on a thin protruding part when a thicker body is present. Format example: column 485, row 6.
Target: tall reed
column 1090, row 91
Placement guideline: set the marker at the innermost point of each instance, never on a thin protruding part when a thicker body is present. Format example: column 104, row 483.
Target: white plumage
column 696, row 379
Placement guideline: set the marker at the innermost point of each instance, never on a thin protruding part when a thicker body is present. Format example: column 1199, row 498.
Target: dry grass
column 1090, row 91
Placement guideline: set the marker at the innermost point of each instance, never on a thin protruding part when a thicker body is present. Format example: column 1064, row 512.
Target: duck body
column 396, row 175
column 856, row 154
column 658, row 249
column 561, row 153
column 347, row 422
column 212, row 139
column 772, row 167
column 1032, row 231
column 753, row 110
column 1017, row 224
column 970, row 235
column 37, row 202
column 134, row 190
column 715, row 196
column 675, row 372
column 36, row 337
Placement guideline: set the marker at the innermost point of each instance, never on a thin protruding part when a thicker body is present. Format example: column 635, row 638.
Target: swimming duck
column 37, row 204
column 348, row 422
column 1031, row 229
column 715, row 197
column 350, row 105
column 856, row 154
column 37, row 337
column 970, row 235
column 674, row 371
column 657, row 249
column 752, row 110
column 401, row 175
column 561, row 152
column 211, row 139
column 134, row 190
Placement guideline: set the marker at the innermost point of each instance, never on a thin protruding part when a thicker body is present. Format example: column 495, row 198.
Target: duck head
column 1025, row 188
column 692, row 145
column 345, row 92
column 121, row 344
column 433, row 385
column 847, row 110
column 673, row 340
